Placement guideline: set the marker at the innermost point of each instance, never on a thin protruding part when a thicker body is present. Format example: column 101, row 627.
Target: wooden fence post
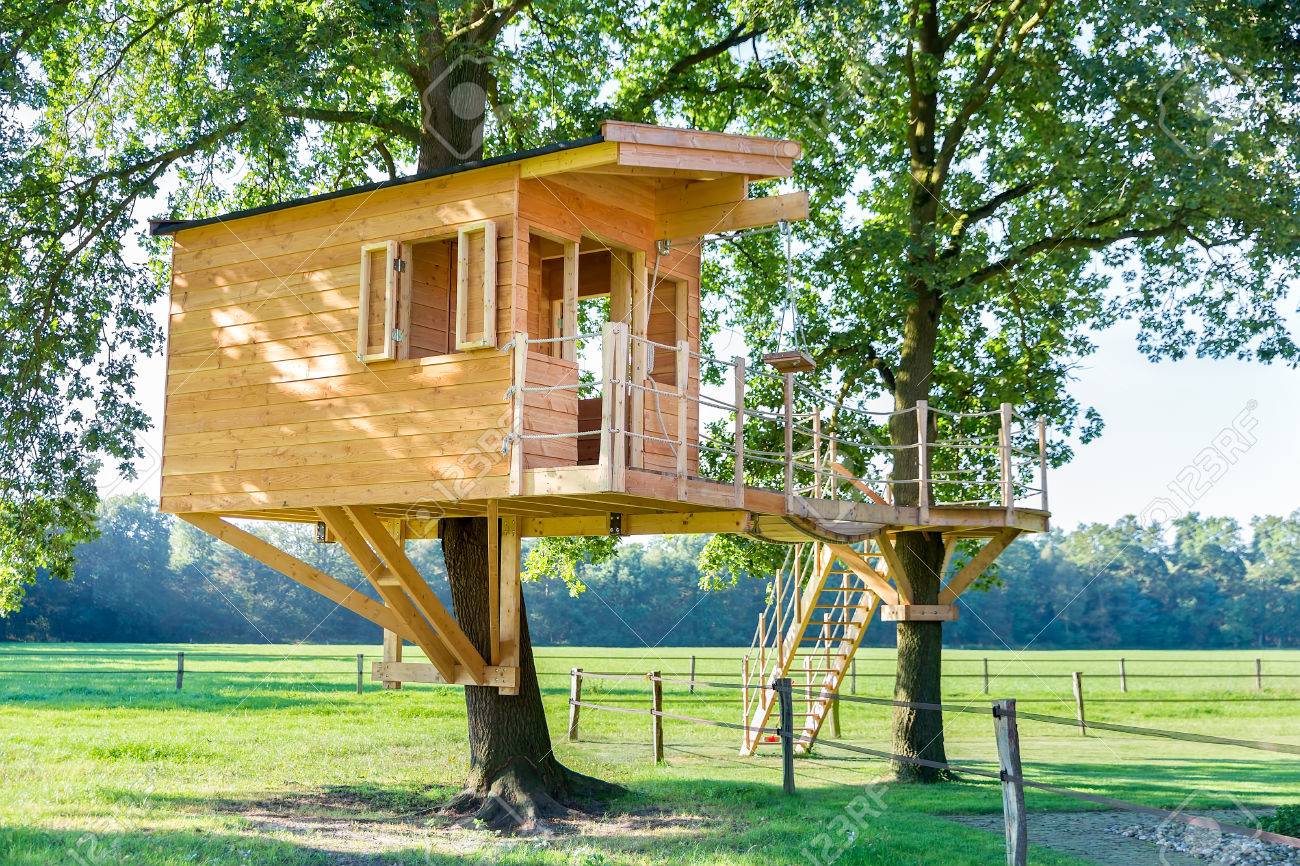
column 1123, row 676
column 986, row 675
column 1259, row 675
column 738, row 470
column 692, row 686
column 180, row 670
column 744, row 690
column 1077, row 676
column 782, row 687
column 361, row 668
column 575, row 697
column 1013, row 791
column 853, row 682
column 656, row 717
column 835, row 717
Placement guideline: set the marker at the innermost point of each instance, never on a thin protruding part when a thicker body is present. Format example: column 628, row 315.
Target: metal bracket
column 399, row 265
column 398, row 336
column 616, row 525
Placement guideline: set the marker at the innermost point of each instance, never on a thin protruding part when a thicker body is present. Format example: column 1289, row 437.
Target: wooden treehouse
column 519, row 338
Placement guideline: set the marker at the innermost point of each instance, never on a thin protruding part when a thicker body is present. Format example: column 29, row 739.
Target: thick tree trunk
column 453, row 111
column 515, row 781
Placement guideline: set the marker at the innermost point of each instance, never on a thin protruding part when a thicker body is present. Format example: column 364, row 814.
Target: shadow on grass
column 667, row 821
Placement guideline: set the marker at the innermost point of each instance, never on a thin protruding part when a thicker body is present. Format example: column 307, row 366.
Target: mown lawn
column 268, row 755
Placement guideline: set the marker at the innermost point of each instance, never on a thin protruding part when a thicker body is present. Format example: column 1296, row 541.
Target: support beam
column 895, row 566
column 731, row 216
column 510, row 602
column 494, row 583
column 295, row 569
column 414, row 585
column 388, row 587
column 858, row 564
column 979, row 562
column 416, row 672
column 918, row 613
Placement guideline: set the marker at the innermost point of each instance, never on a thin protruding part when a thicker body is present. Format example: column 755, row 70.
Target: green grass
column 268, row 755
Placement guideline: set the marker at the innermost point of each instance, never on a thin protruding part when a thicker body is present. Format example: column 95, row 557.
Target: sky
column 1225, row 434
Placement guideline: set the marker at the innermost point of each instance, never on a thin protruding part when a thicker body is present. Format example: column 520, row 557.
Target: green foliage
column 725, row 558
column 561, row 557
column 1286, row 820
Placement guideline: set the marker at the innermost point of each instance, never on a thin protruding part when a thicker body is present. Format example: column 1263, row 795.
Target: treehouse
column 519, row 339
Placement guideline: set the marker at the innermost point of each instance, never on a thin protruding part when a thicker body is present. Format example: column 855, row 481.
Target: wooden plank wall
column 553, row 412
column 619, row 210
column 266, row 403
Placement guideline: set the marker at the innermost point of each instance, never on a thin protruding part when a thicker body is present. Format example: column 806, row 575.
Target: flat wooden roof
column 621, row 148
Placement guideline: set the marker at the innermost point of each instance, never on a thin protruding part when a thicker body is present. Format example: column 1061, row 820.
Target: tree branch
column 365, row 118
column 737, row 35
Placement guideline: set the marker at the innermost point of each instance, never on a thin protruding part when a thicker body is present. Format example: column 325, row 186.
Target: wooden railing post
column 786, row 732
column 923, row 458
column 739, row 433
column 1077, row 677
column 575, row 698
column 683, row 413
column 1008, row 489
column 608, row 348
column 620, row 405
column 1042, row 461
column 1013, row 789
column 519, row 379
column 787, row 386
column 180, row 670
column 656, row 716
column 817, row 453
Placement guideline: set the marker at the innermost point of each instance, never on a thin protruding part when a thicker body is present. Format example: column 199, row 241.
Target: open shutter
column 377, row 313
column 476, row 286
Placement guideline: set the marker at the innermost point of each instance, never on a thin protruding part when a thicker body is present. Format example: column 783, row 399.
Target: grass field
column 268, row 755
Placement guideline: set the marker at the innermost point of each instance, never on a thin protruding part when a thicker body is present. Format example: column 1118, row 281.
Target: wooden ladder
column 824, row 607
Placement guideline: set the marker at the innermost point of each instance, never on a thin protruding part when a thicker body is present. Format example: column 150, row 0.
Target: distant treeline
column 1200, row 584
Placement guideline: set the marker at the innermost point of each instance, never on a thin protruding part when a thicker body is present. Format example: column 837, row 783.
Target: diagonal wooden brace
column 978, row 563
column 295, row 569
column 413, row 584
column 859, row 565
column 384, row 583
column 895, row 568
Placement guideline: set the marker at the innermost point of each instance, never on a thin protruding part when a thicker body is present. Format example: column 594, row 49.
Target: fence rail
column 1010, row 773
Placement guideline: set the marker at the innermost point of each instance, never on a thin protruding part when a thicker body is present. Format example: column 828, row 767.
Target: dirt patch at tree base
column 353, row 827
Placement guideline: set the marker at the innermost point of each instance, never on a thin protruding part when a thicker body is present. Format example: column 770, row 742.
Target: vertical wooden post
column 569, row 314
column 1259, row 675
column 744, row 690
column 854, row 682
column 620, row 406
column 608, row 349
column 738, row 473
column 1123, row 677
column 640, row 360
column 1078, row 702
column 392, row 653
column 494, row 583
column 692, row 691
column 817, row 452
column 510, row 601
column 1042, row 462
column 835, row 718
column 656, row 717
column 923, row 458
column 787, row 387
column 762, row 643
column 361, row 669
column 180, row 670
column 683, row 414
column 575, row 696
column 986, row 675
column 786, row 731
column 1008, row 489
column 1013, row 790
column 780, row 591
column 519, row 379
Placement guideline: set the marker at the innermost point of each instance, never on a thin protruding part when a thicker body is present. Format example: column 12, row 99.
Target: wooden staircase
column 820, row 609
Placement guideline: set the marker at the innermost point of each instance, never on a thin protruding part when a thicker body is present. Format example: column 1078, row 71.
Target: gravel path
column 1124, row 839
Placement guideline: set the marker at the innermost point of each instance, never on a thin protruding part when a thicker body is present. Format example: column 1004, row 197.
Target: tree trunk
column 515, row 781
column 453, row 111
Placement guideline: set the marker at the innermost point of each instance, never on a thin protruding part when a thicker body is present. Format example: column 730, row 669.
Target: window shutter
column 476, row 286
column 377, row 310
